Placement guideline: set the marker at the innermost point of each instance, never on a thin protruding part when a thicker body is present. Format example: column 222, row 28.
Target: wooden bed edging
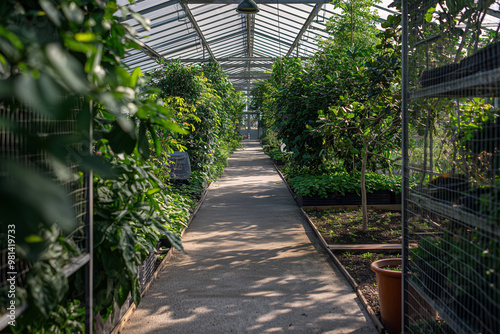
column 348, row 277
column 369, row 247
column 395, row 207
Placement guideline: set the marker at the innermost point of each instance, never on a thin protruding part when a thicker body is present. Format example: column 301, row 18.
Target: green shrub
column 212, row 108
column 178, row 209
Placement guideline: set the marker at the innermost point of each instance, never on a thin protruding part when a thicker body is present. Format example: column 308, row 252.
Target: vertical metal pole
column 248, row 124
column 405, row 146
column 89, row 231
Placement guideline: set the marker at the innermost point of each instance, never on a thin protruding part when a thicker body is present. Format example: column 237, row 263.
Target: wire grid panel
column 25, row 127
column 453, row 208
column 147, row 269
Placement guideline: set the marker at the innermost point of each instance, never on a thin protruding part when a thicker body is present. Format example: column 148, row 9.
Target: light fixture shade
column 247, row 7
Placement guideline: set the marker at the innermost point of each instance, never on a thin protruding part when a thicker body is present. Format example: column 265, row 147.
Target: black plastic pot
column 374, row 198
column 318, row 201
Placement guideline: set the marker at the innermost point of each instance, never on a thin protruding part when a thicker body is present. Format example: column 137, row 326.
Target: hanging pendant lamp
column 247, row 7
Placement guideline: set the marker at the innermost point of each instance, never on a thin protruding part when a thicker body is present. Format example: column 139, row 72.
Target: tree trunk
column 364, row 203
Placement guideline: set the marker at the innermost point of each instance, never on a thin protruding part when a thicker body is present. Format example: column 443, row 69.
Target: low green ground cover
column 341, row 183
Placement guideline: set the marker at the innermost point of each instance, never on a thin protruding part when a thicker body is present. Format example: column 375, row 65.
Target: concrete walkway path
column 252, row 266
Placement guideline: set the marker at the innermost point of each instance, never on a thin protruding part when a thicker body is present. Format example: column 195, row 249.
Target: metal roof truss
column 245, row 45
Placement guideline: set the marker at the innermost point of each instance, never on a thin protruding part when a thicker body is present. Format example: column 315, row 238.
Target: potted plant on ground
column 388, row 272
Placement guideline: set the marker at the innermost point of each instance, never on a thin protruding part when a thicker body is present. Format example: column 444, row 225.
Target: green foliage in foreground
column 128, row 222
column 64, row 319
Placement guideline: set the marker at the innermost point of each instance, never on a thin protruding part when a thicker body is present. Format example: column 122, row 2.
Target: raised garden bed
column 340, row 231
column 384, row 229
column 343, row 189
column 484, row 59
column 345, row 226
column 358, row 266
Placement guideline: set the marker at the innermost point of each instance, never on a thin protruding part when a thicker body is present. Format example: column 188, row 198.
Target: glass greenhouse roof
column 244, row 45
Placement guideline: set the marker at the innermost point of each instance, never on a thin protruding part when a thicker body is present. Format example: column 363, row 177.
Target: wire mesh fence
column 453, row 209
column 28, row 142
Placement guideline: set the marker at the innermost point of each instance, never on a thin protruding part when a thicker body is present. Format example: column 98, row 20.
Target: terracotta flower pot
column 389, row 289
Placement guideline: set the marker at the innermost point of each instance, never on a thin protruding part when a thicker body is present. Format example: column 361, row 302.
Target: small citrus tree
column 372, row 119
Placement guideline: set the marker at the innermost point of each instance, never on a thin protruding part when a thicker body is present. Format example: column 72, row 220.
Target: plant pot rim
column 378, row 267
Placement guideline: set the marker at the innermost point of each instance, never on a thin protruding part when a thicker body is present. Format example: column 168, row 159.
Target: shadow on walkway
column 252, row 266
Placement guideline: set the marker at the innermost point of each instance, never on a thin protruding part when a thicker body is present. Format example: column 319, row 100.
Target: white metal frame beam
column 304, row 28
column 200, row 60
column 229, row 66
column 250, row 28
column 245, row 76
column 197, row 28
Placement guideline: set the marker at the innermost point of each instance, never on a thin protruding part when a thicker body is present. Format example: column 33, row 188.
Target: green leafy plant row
column 341, row 183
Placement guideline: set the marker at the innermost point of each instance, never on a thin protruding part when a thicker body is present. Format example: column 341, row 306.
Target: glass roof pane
column 195, row 31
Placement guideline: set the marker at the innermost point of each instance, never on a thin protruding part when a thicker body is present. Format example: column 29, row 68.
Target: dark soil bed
column 345, row 227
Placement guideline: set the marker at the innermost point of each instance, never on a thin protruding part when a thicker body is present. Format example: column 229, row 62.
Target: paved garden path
column 252, row 265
